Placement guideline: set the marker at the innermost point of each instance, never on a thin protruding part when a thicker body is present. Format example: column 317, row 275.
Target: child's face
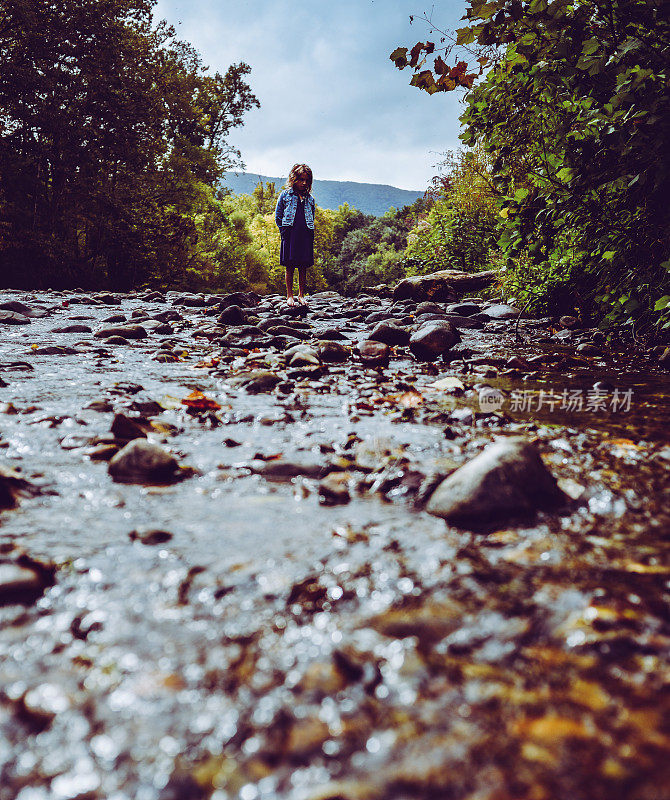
column 300, row 184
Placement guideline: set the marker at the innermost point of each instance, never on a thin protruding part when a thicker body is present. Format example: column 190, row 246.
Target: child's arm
column 279, row 210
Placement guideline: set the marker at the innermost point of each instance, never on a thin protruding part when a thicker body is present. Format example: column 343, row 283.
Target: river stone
column 331, row 333
column 374, row 354
column 445, row 285
column 128, row 428
column 432, row 340
column 390, row 334
column 428, row 308
column 302, row 356
column 13, row 486
column 143, row 462
column 464, row 309
column 588, row 349
column 125, row 331
column 287, row 470
column 459, row 321
column 73, row 329
column 509, row 478
column 23, row 581
column 258, row 380
column 242, row 299
column 332, row 352
column 501, row 311
column 150, row 536
column 232, row 315
column 171, row 315
column 108, row 299
column 189, row 301
column 12, row 318
column 25, row 310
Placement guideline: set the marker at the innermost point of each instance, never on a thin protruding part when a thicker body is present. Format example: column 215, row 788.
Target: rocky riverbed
column 368, row 549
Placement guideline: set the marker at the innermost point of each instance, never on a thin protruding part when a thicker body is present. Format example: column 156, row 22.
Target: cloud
column 329, row 94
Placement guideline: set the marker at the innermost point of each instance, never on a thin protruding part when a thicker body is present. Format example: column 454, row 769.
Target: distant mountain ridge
column 370, row 198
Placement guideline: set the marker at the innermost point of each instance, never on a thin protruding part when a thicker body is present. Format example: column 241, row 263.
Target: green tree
column 109, row 128
column 575, row 111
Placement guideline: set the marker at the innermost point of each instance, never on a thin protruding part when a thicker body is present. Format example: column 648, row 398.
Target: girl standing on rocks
column 294, row 216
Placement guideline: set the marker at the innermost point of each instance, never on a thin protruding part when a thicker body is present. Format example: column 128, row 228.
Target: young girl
column 294, row 216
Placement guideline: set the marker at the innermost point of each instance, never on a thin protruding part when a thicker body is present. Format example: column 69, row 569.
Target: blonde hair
column 296, row 171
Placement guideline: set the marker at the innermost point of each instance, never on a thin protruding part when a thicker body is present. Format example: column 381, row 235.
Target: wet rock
column 473, row 323
column 24, row 579
column 286, row 470
column 40, row 706
column 463, row 415
column 124, row 331
column 12, row 318
column 114, row 318
column 302, row 356
column 463, row 309
column 568, row 322
column 259, row 380
column 171, row 315
column 445, row 285
column 332, row 352
column 664, row 358
column 332, row 334
column 232, row 315
column 190, row 301
column 588, row 349
column 334, row 489
column 389, row 334
column 507, row 479
column 144, row 462
column 55, row 350
column 428, row 308
column 242, row 299
column 73, row 329
column 23, row 309
column 432, row 340
column 128, row 428
column 150, row 536
column 13, row 486
column 108, row 298
column 374, row 354
column 501, row 311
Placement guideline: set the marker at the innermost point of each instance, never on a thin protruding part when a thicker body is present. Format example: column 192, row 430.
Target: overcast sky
column 329, row 94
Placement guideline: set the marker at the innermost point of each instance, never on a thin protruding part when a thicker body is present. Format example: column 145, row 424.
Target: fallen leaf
column 199, row 401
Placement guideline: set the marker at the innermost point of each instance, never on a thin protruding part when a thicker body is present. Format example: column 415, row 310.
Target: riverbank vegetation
column 570, row 100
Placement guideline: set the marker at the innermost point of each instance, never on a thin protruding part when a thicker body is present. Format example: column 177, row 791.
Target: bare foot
column 290, row 301
column 302, row 300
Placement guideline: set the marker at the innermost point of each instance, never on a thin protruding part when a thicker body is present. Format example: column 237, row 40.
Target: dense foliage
column 575, row 111
column 112, row 137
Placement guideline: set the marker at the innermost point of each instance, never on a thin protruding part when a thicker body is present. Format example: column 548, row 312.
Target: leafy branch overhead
column 575, row 111
column 440, row 76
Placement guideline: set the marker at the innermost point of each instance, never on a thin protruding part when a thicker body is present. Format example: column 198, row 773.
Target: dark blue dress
column 297, row 241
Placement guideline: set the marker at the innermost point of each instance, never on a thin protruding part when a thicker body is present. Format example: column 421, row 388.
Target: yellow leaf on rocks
column 551, row 728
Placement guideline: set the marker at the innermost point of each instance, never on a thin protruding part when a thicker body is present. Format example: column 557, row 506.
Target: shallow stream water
column 270, row 645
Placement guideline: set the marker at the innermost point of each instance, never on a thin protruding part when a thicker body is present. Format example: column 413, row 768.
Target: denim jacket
column 287, row 205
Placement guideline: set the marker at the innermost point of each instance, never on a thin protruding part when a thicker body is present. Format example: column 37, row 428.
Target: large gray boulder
column 433, row 340
column 508, row 479
column 446, row 285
